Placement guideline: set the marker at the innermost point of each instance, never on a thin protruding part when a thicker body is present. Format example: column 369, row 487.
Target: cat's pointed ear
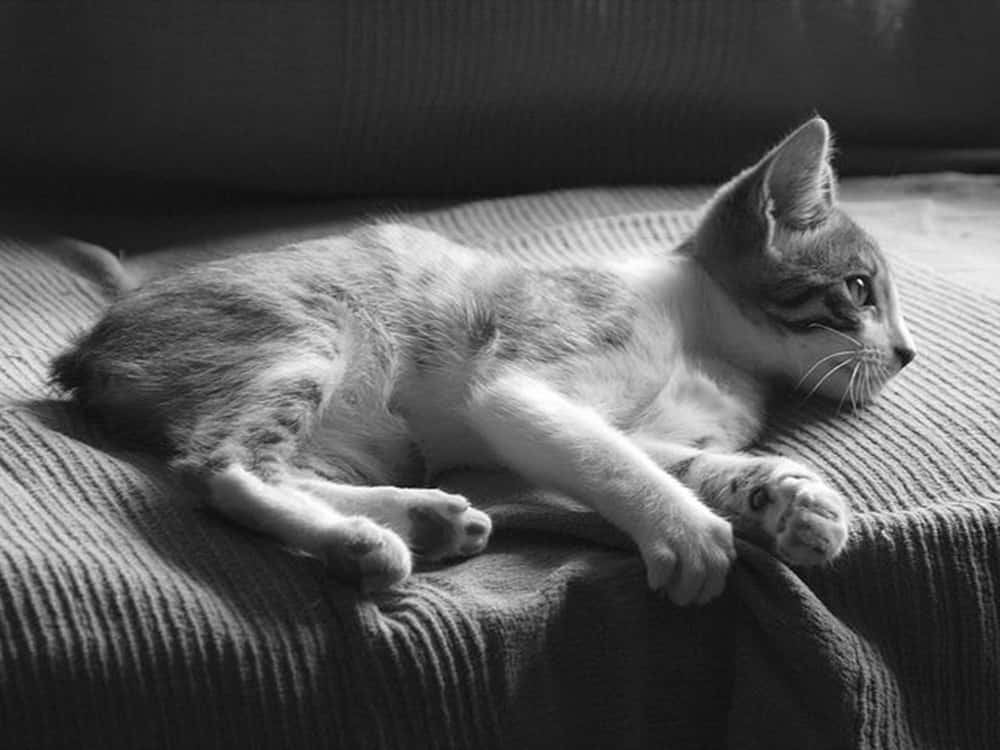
column 798, row 183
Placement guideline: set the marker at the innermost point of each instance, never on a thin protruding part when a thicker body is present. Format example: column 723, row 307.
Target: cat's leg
column 242, row 453
column 771, row 498
column 261, row 424
column 558, row 444
column 436, row 525
column 355, row 547
column 364, row 534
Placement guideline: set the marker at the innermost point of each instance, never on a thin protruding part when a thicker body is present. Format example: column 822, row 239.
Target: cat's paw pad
column 361, row 552
column 443, row 525
column 787, row 505
column 812, row 526
column 689, row 564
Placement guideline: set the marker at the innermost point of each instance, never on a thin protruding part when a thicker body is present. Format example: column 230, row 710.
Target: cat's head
column 813, row 286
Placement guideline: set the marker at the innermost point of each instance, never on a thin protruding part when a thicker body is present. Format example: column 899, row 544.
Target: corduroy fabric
column 131, row 618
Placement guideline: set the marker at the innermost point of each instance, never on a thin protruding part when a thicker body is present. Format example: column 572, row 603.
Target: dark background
column 460, row 97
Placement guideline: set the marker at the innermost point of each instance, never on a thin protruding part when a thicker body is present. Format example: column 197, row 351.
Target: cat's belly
column 458, row 447
column 403, row 448
column 443, row 438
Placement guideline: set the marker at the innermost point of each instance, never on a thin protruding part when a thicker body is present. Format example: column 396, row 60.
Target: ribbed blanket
column 131, row 618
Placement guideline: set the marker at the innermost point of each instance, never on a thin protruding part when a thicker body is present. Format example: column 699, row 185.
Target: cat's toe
column 365, row 554
column 813, row 528
column 443, row 526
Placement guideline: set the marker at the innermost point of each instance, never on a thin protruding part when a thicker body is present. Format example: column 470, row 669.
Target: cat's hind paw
column 362, row 552
column 443, row 525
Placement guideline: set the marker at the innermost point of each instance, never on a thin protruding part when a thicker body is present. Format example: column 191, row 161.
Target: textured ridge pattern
column 129, row 617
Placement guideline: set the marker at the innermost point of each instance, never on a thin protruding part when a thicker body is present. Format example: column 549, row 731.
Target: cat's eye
column 860, row 290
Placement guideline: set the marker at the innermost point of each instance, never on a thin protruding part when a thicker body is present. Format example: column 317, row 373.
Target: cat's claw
column 690, row 565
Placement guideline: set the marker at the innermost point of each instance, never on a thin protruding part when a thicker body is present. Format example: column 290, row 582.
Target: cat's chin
column 849, row 391
column 855, row 392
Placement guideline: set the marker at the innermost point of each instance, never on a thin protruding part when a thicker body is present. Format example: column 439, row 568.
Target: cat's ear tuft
column 798, row 181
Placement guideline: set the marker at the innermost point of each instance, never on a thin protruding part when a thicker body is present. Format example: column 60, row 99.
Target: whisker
column 883, row 373
column 867, row 383
column 880, row 373
column 850, row 387
column 876, row 380
column 825, row 377
column 817, row 364
column 855, row 394
column 839, row 333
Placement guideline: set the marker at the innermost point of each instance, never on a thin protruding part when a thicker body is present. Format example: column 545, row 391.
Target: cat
column 312, row 391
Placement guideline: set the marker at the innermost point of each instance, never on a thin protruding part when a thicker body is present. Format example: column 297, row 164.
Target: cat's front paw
column 690, row 558
column 806, row 519
column 813, row 527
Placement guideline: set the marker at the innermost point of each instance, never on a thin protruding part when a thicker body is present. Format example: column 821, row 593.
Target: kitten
column 313, row 390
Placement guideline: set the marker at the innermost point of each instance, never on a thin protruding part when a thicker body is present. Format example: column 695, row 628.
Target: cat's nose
column 905, row 355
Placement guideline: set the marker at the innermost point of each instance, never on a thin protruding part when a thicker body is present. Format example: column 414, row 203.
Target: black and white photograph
column 500, row 374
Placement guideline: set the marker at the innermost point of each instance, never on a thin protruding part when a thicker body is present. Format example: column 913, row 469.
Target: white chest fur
column 654, row 387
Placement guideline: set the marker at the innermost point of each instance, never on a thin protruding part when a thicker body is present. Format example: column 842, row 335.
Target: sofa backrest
column 384, row 97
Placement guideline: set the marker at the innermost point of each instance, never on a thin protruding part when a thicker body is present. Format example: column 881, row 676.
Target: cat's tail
column 91, row 370
column 70, row 372
column 107, row 396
